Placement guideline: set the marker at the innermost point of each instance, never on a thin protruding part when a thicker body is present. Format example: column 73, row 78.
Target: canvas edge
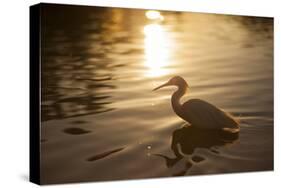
column 34, row 95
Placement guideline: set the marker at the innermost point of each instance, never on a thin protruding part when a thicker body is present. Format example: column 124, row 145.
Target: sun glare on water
column 154, row 15
column 157, row 46
column 156, row 51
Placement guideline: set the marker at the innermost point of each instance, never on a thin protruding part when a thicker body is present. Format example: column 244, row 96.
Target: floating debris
column 105, row 154
column 75, row 131
column 197, row 159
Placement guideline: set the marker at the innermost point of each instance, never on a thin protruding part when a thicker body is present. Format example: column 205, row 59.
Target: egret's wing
column 205, row 115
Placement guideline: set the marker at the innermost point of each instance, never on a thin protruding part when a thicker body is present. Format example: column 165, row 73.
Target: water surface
column 100, row 118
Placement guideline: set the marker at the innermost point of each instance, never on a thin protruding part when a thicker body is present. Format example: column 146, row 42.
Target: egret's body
column 199, row 113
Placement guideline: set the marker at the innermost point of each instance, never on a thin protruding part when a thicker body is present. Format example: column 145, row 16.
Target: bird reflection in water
column 187, row 139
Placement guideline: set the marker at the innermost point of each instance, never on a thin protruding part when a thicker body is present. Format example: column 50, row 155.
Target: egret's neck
column 176, row 100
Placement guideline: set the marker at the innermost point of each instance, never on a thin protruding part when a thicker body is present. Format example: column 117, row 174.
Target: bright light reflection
column 154, row 15
column 157, row 50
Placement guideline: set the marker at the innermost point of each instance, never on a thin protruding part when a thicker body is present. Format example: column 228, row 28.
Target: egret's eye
column 173, row 81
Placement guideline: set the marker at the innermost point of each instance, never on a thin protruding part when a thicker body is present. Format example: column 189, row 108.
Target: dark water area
column 101, row 120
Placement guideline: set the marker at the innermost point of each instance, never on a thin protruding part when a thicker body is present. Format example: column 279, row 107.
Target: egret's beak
column 163, row 85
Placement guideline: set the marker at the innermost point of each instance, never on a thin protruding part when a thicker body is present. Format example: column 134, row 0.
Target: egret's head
column 175, row 81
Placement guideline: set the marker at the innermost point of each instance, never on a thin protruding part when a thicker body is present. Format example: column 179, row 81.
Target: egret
column 198, row 113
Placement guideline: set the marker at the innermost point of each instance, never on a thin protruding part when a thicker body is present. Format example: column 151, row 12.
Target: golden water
column 100, row 118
